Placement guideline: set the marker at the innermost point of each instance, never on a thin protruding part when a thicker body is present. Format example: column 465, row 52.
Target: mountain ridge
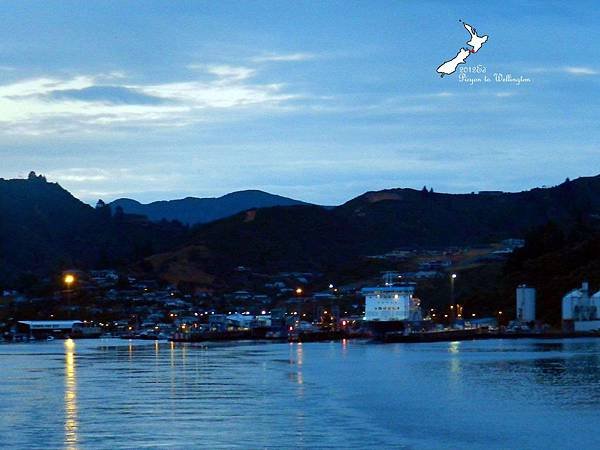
column 319, row 239
column 193, row 210
column 44, row 229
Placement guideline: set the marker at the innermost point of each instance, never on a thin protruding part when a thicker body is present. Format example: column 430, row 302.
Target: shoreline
column 388, row 338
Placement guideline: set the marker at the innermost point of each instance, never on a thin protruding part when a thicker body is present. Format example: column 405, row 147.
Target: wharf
column 477, row 334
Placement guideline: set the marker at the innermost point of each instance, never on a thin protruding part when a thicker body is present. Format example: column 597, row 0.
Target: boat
column 392, row 307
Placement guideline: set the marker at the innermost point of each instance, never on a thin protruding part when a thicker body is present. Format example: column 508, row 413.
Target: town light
column 69, row 279
column 299, row 291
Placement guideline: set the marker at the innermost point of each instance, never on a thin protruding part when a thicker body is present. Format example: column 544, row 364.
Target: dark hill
column 192, row 210
column 554, row 261
column 314, row 238
column 44, row 229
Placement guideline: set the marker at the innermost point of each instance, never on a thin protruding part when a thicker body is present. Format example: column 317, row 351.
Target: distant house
column 241, row 295
column 325, row 295
column 513, row 243
column 435, row 265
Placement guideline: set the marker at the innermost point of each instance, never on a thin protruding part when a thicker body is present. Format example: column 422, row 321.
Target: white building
column 240, row 320
column 40, row 329
column 525, row 303
column 580, row 312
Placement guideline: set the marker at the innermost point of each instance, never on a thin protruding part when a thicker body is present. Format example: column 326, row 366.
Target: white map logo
column 476, row 42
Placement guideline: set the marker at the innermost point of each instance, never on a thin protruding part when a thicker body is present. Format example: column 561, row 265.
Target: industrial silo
column 525, row 303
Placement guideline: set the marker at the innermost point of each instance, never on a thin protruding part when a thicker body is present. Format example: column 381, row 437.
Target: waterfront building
column 580, row 312
column 218, row 322
column 240, row 321
column 41, row 329
column 525, row 303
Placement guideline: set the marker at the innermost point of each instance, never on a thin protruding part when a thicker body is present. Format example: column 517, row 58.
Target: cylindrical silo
column 525, row 303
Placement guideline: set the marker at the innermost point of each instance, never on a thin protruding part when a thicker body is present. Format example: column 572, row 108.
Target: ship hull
column 380, row 327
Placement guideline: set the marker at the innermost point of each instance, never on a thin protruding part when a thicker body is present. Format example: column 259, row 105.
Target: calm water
column 115, row 394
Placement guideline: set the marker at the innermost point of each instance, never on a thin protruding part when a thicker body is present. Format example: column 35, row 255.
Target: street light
column 452, row 278
column 299, row 291
column 69, row 279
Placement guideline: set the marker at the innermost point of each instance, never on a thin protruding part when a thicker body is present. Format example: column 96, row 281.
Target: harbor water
column 116, row 394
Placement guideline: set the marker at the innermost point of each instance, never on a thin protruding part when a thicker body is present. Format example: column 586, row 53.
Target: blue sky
column 320, row 101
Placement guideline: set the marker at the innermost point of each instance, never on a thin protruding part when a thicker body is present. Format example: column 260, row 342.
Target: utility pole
column 452, row 314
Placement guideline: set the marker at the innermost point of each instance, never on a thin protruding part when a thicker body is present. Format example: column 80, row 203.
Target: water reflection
column 296, row 361
column 455, row 360
column 221, row 395
column 344, row 347
column 71, row 420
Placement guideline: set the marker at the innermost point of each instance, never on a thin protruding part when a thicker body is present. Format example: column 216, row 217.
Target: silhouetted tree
column 34, row 177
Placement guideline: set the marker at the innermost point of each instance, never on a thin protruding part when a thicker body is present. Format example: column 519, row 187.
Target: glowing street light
column 299, row 291
column 69, row 279
column 452, row 278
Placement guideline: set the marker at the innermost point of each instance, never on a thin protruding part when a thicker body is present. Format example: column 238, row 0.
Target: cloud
column 46, row 105
column 580, row 71
column 569, row 70
column 110, row 94
column 224, row 71
column 283, row 57
column 94, row 174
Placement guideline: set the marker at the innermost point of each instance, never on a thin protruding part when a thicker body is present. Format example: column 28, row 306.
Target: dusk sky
column 319, row 101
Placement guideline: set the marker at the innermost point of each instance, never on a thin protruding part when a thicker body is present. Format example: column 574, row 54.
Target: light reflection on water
column 71, row 423
column 349, row 394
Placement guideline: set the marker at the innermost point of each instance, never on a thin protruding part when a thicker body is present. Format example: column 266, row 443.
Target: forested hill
column 44, row 229
column 315, row 238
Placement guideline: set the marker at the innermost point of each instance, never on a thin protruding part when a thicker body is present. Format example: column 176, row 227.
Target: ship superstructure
column 391, row 306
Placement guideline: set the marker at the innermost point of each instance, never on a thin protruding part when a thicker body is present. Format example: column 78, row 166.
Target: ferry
column 392, row 307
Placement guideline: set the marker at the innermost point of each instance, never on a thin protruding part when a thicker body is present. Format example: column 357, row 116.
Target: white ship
column 391, row 307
